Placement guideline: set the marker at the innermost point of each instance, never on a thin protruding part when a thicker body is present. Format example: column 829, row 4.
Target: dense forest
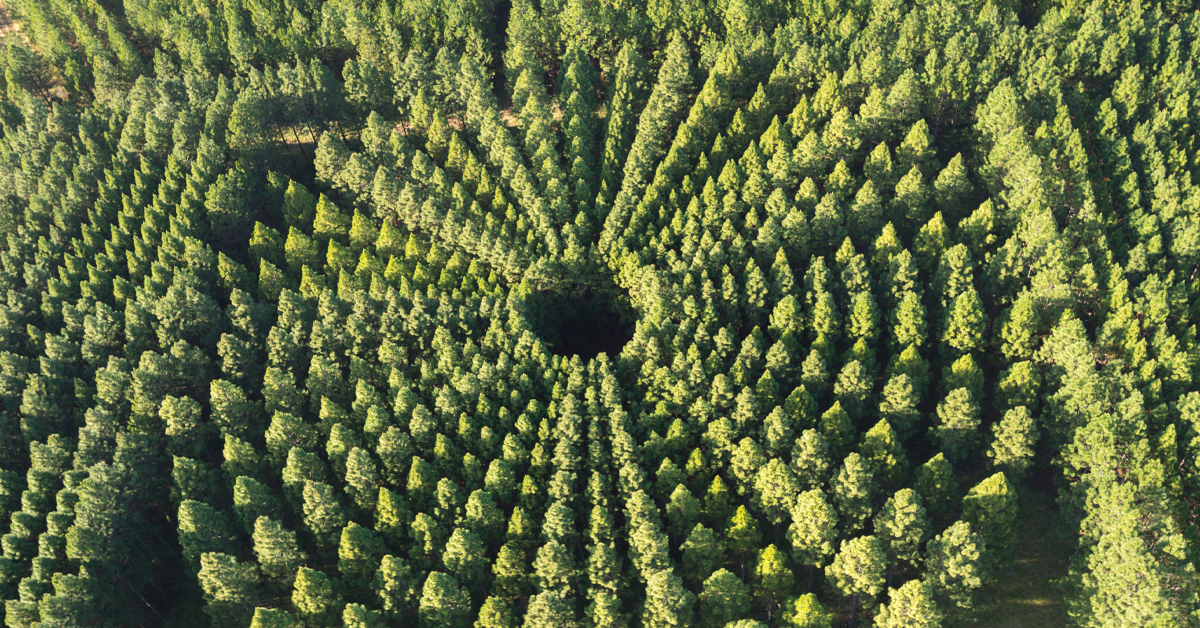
column 597, row 313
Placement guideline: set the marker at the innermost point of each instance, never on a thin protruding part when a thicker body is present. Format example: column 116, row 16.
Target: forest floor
column 6, row 22
column 1026, row 594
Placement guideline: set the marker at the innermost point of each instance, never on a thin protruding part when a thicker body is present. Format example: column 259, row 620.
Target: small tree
column 857, row 572
column 813, row 532
column 668, row 603
column 724, row 599
column 742, row 535
column 230, row 589
column 937, row 486
column 957, row 427
column 773, row 578
column 991, row 509
column 806, row 611
column 1013, row 439
column 902, row 528
column 957, row 564
column 910, row 606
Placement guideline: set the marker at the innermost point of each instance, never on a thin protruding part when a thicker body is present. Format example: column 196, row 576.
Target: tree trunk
column 812, row 574
column 129, row 586
column 891, row 572
column 283, row 141
column 299, row 144
column 853, row 610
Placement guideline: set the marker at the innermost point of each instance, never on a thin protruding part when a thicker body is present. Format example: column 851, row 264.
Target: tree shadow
column 582, row 319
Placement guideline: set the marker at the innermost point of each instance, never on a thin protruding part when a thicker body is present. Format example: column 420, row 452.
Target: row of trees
column 887, row 262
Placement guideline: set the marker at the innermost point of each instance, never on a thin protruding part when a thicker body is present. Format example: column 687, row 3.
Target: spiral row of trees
column 269, row 345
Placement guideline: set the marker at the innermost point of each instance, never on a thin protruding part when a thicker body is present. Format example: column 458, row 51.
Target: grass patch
column 1025, row 594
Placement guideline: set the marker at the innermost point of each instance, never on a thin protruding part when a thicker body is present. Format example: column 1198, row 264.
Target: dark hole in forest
column 582, row 319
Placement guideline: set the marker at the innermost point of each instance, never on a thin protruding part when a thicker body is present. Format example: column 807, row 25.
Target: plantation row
column 290, row 289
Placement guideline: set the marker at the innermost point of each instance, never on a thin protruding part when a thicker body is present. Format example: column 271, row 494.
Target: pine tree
column 204, row 529
column 229, row 205
column 702, row 552
column 683, row 511
column 957, row 428
column 865, row 216
column 990, row 507
column 1018, row 386
column 742, row 535
column 775, row 486
column 230, row 589
column 957, row 564
column 271, row 618
column 863, row 321
column 902, row 528
column 936, row 486
column 931, row 241
column 668, row 603
column 965, row 323
column 910, row 606
column 806, row 611
column 251, row 500
column 908, row 322
column 547, row 610
column 1019, row 325
column 359, row 616
column 882, row 450
column 554, row 570
column 359, row 552
column 277, row 551
column 496, row 613
column 443, row 604
column 724, row 599
column 810, row 458
column 330, row 222
column 299, row 207
column 837, row 430
column 1014, row 436
column 899, row 405
column 857, row 572
column 464, row 556
column 362, row 478
column 323, row 513
column 773, row 579
column 853, row 488
column 964, row 373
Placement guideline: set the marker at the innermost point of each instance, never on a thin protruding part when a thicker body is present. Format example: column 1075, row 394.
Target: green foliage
column 857, row 571
column 830, row 236
column 1013, row 439
column 957, row 564
column 724, row 599
column 230, row 589
column 991, row 509
column 957, row 426
column 937, row 486
column 912, row 605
